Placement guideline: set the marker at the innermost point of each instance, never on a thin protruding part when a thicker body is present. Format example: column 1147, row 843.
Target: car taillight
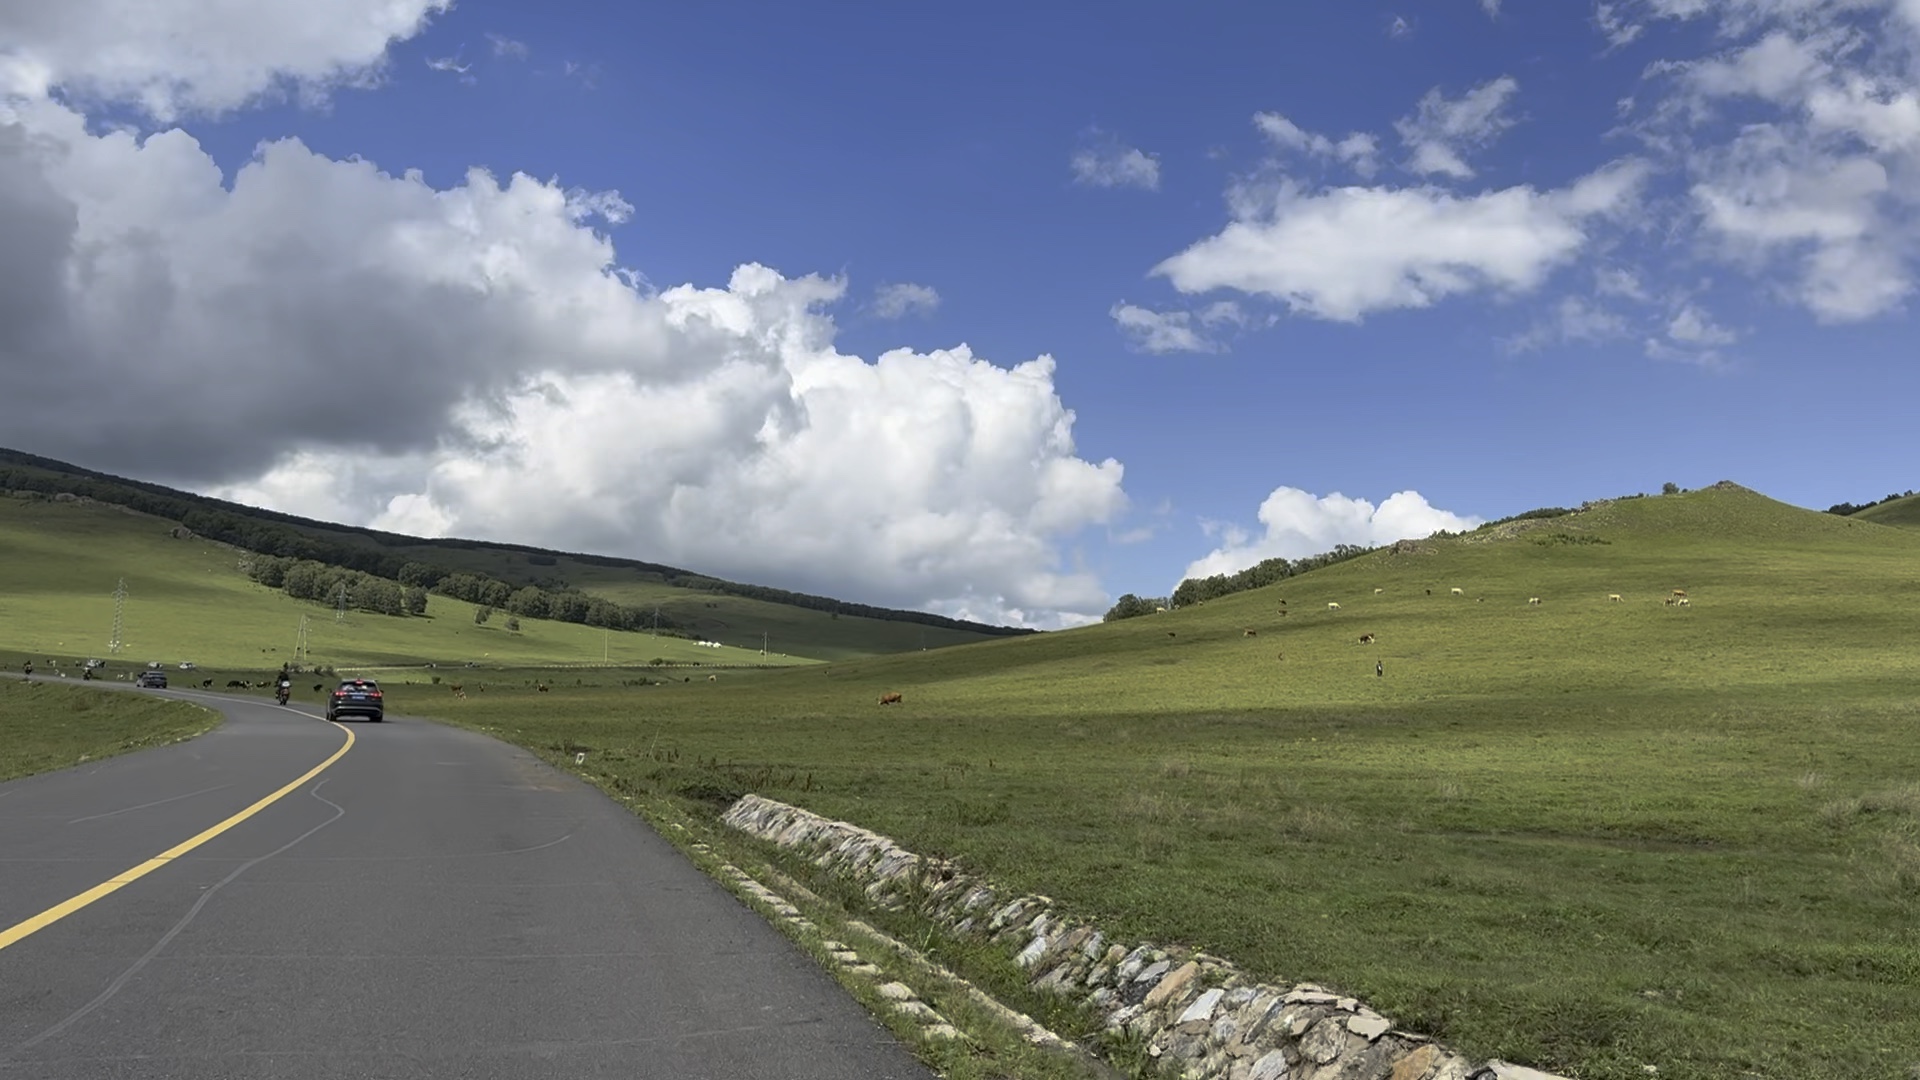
column 339, row 693
column 374, row 693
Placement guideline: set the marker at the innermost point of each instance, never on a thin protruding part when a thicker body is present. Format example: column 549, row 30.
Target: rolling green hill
column 681, row 603
column 1591, row 835
column 1903, row 512
column 1588, row 834
column 188, row 599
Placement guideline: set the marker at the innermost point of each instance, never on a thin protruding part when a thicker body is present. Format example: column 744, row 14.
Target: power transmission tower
column 340, row 609
column 114, row 643
column 656, row 620
column 300, row 643
column 763, row 643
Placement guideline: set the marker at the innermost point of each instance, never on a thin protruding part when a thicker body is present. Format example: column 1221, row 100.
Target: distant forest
column 285, row 537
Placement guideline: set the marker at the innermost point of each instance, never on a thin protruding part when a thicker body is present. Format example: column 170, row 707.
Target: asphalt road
column 431, row 904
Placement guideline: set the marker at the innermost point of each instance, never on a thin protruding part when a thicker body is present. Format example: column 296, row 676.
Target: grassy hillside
column 45, row 727
column 1903, row 512
column 737, row 614
column 1591, row 835
column 188, row 600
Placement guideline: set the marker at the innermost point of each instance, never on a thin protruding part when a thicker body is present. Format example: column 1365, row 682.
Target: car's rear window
column 359, row 684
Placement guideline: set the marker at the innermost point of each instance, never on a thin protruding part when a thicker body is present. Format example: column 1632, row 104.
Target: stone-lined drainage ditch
column 1197, row 1015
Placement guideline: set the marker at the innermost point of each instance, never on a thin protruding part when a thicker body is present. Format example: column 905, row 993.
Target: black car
column 152, row 680
column 356, row 697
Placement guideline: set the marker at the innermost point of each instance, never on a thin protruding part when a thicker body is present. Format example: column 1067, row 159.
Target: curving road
column 431, row 904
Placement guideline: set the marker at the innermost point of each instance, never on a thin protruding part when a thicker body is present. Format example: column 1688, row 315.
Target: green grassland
column 1903, row 512
column 47, row 726
column 187, row 599
column 1587, row 835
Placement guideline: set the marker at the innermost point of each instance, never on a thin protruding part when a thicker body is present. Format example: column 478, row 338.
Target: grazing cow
column 1279, row 656
column 543, row 688
column 1377, row 592
column 206, row 684
column 890, row 699
column 1250, row 632
column 1670, row 601
column 1533, row 600
column 1366, row 639
column 713, row 678
column 1171, row 634
column 317, row 687
column 458, row 690
column 1333, row 605
column 1684, row 601
column 1613, row 597
column 236, row 684
column 1283, row 603
column 1679, row 592
column 1459, row 591
column 1429, row 592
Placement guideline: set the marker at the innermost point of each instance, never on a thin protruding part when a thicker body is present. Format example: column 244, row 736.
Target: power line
column 114, row 643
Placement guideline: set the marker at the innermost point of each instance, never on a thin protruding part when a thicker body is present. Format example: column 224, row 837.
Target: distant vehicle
column 186, row 665
column 357, row 697
column 152, row 680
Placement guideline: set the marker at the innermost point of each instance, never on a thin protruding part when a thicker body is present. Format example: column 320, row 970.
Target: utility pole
column 115, row 643
column 606, row 643
column 763, row 643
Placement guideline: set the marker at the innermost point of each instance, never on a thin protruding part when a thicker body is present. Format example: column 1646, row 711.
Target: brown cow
column 1679, row 592
column 1250, row 632
column 1366, row 639
column 890, row 699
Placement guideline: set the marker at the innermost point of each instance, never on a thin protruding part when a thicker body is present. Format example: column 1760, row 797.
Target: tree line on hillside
column 1845, row 508
column 406, row 594
column 268, row 532
column 306, row 579
column 1264, row 572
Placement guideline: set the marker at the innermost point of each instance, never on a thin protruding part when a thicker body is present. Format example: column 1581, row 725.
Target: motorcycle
column 281, row 693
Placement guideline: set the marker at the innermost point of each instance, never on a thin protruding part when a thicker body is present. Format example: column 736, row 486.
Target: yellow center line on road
column 67, row 907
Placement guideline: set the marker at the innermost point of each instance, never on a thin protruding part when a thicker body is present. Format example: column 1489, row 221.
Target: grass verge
column 44, row 726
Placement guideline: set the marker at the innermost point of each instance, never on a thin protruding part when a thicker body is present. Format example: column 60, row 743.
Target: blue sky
column 1472, row 257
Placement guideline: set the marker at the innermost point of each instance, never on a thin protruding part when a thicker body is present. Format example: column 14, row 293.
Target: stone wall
column 1198, row 1015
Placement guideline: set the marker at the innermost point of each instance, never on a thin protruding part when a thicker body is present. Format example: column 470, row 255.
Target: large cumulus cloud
column 331, row 339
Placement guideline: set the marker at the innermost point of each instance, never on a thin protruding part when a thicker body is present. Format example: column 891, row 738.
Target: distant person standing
column 28, row 668
column 1380, row 668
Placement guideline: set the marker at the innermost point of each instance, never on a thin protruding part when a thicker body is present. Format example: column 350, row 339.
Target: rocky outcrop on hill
column 1197, row 1014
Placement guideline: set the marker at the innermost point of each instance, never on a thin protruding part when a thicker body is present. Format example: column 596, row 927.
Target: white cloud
column 1176, row 331
column 1102, row 161
column 1359, row 150
column 1615, row 25
column 507, row 47
column 1692, row 326
column 1572, row 320
column 1442, row 130
column 1801, row 135
column 905, row 298
column 1398, row 26
column 1342, row 253
column 473, row 360
column 1295, row 523
column 173, row 57
column 1491, row 7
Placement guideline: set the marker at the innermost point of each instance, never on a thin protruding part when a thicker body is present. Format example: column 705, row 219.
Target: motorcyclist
column 285, row 688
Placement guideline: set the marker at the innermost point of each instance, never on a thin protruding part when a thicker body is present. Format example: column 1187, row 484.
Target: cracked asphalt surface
column 433, row 904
